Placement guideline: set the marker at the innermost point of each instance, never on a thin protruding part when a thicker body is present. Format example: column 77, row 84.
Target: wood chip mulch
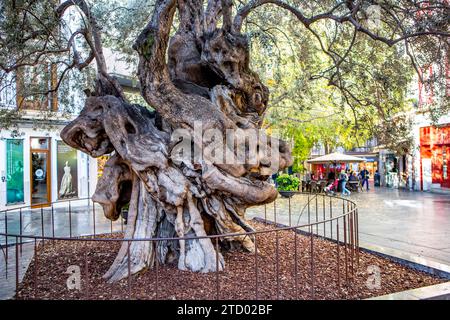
column 236, row 282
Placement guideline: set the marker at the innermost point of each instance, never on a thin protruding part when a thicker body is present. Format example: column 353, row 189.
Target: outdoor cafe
column 327, row 168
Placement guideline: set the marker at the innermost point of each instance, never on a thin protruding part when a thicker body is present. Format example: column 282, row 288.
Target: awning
column 336, row 157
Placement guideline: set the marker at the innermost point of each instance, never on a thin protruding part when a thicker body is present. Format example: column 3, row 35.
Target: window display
column 67, row 173
column 14, row 171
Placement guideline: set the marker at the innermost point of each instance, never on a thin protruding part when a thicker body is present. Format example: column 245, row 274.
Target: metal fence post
column 129, row 270
column 265, row 213
column 275, row 211
column 331, row 217
column 70, row 220
column 6, row 242
column 338, row 256
column 53, row 221
column 21, row 228
column 93, row 215
column 86, row 272
column 324, row 224
column 345, row 249
column 35, row 267
column 42, row 226
column 289, row 199
column 256, row 268
column 295, row 264
column 277, row 264
column 317, row 216
column 309, row 211
column 17, row 265
column 217, row 269
column 312, row 261
column 157, row 270
column 357, row 238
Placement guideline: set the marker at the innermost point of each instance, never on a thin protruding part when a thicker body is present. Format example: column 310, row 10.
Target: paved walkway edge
column 436, row 292
column 409, row 260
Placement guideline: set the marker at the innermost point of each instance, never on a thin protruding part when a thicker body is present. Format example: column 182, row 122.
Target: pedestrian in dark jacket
column 364, row 177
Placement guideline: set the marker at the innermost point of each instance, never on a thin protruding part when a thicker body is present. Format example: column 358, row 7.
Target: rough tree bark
column 205, row 78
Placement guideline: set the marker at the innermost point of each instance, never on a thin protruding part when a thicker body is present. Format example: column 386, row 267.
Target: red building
column 435, row 154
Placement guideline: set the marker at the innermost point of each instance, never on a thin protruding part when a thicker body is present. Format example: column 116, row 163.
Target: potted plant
column 287, row 185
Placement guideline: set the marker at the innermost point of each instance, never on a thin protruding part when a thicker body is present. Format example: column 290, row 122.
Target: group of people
column 344, row 177
column 341, row 180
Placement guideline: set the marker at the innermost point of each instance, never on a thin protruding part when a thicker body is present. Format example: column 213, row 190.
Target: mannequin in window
column 66, row 188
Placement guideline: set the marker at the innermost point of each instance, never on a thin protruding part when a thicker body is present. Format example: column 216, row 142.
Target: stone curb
column 436, row 292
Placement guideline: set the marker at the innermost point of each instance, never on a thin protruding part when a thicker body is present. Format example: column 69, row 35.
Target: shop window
column 14, row 171
column 67, row 171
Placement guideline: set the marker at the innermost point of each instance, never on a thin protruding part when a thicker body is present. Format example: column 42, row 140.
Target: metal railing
column 319, row 216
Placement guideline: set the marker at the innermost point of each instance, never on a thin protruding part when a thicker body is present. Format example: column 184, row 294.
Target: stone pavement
column 63, row 222
column 8, row 272
column 77, row 220
column 410, row 221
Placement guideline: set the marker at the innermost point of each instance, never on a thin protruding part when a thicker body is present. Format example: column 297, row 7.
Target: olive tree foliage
column 335, row 79
column 194, row 64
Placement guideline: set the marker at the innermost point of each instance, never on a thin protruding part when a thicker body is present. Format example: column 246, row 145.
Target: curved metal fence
column 311, row 217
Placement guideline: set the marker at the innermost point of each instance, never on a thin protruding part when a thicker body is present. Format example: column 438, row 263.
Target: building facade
column 429, row 162
column 38, row 168
column 435, row 154
column 430, row 159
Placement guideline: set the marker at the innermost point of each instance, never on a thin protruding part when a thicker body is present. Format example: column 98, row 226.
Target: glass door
column 40, row 172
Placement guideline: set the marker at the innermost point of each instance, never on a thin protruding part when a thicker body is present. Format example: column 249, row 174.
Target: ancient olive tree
column 194, row 71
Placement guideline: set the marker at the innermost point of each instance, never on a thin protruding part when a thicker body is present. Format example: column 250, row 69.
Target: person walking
column 364, row 175
column 377, row 179
column 343, row 178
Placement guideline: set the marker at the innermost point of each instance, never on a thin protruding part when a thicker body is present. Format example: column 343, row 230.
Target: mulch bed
column 236, row 282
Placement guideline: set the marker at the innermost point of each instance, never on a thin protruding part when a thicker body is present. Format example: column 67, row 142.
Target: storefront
column 370, row 164
column 38, row 168
column 435, row 155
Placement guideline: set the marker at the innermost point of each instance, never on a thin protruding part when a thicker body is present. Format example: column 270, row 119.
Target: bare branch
column 348, row 17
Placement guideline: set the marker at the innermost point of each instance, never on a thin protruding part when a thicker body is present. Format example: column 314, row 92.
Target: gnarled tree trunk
column 206, row 80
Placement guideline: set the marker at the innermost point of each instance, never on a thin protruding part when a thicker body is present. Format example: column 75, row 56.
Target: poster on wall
column 14, row 171
column 67, row 171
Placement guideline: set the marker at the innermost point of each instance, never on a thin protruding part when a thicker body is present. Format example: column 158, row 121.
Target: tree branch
column 348, row 17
